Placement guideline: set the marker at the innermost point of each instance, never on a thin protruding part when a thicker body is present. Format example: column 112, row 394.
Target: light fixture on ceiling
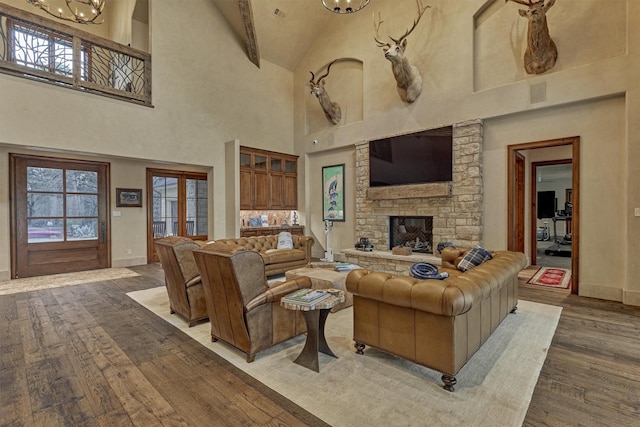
column 344, row 6
column 79, row 11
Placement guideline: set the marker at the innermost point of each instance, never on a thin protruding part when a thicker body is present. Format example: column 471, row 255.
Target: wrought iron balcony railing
column 41, row 49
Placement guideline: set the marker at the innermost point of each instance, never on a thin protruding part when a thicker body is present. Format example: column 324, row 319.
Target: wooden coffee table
column 324, row 278
column 315, row 317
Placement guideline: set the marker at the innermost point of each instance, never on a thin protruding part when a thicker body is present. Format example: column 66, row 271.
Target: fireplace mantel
column 413, row 191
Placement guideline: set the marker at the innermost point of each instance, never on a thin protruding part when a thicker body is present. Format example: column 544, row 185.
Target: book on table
column 345, row 267
column 307, row 297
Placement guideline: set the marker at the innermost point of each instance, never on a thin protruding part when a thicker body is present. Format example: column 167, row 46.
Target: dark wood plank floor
column 89, row 355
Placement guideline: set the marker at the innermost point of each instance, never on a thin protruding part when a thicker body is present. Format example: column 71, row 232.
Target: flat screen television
column 547, row 204
column 415, row 158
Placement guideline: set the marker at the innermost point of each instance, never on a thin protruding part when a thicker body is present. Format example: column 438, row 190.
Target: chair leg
column 449, row 381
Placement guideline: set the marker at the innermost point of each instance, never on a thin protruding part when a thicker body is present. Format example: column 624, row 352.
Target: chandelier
column 79, row 11
column 344, row 6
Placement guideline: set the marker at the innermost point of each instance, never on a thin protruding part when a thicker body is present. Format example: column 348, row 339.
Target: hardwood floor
column 591, row 376
column 89, row 355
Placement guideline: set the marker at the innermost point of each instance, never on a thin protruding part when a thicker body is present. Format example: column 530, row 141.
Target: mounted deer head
column 408, row 78
column 541, row 53
column 331, row 109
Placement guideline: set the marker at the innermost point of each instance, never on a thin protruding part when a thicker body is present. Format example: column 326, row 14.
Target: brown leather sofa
column 244, row 310
column 439, row 324
column 182, row 278
column 276, row 260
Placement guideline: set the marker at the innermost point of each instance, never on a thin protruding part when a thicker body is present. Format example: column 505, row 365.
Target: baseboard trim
column 601, row 292
column 630, row 297
column 128, row 262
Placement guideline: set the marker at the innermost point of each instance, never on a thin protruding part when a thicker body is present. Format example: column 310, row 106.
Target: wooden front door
column 59, row 216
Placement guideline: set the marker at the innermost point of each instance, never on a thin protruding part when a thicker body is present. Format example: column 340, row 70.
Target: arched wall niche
column 500, row 38
column 344, row 86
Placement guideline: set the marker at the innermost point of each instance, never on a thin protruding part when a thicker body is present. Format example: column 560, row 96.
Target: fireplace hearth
column 415, row 232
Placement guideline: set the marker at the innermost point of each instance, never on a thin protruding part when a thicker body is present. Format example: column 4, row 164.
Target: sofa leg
column 513, row 310
column 449, row 381
column 213, row 339
column 251, row 358
column 359, row 347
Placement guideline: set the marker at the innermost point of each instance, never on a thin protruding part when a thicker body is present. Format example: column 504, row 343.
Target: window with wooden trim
column 44, row 50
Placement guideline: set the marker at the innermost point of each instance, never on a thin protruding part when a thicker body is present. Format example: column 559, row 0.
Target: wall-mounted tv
column 416, row 158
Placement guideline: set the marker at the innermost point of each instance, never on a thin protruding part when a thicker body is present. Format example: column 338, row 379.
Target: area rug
column 494, row 387
column 38, row 283
column 552, row 277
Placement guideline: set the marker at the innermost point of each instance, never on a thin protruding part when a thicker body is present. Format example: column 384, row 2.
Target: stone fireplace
column 415, row 232
column 455, row 207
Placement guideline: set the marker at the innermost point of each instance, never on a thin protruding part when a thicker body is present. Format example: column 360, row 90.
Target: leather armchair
column 182, row 278
column 243, row 309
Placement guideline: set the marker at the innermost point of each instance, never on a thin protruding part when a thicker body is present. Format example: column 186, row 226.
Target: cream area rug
column 494, row 387
column 38, row 283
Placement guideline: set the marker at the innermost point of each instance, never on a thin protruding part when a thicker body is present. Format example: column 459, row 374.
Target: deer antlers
column 322, row 76
column 531, row 3
column 527, row 3
column 376, row 27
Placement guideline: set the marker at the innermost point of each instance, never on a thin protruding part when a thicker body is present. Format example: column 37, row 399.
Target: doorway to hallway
column 552, row 192
column 525, row 208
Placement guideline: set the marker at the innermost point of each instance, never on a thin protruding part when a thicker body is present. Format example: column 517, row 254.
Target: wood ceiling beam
column 250, row 30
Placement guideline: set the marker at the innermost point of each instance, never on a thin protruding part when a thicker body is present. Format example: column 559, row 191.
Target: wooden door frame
column 520, row 208
column 180, row 175
column 574, row 142
column 14, row 216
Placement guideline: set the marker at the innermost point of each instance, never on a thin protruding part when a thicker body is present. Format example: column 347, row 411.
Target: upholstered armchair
column 244, row 310
column 182, row 278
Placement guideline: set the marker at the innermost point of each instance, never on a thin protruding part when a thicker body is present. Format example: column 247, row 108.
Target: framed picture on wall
column 129, row 197
column 333, row 193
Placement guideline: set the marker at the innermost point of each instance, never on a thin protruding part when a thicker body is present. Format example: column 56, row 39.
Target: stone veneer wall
column 457, row 217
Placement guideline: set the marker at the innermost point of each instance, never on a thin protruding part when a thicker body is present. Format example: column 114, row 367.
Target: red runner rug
column 552, row 277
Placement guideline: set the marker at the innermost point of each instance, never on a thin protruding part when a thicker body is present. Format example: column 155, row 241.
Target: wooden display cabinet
column 268, row 180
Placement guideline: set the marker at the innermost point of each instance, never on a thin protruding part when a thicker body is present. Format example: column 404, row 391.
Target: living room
column 209, row 98
column 587, row 94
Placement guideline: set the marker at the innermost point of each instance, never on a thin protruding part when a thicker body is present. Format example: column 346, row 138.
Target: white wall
column 472, row 69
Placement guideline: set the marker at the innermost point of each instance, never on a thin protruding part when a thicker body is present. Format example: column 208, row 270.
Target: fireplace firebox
column 415, row 232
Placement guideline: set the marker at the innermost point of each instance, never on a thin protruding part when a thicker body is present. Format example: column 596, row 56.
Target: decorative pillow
column 474, row 258
column 284, row 240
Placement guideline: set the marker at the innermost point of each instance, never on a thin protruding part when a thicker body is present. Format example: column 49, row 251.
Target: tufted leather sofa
column 276, row 260
column 439, row 324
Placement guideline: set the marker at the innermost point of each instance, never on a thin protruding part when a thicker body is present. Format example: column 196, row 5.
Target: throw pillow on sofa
column 284, row 240
column 474, row 258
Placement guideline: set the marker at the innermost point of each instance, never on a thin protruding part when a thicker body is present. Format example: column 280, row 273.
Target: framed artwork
column 333, row 193
column 129, row 197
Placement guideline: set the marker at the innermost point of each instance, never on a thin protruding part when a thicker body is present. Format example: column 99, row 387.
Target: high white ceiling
column 283, row 36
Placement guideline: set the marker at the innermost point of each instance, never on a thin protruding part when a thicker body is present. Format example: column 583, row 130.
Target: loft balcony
column 41, row 49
